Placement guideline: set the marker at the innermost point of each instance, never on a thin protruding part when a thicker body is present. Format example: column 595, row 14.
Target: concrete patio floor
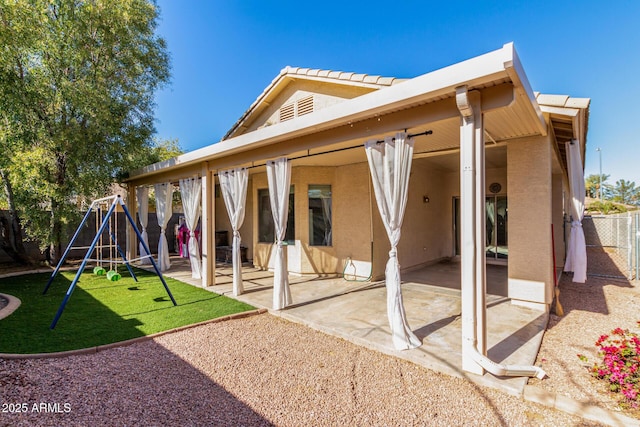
column 356, row 311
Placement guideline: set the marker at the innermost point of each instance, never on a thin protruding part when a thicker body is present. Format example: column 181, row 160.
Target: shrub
column 620, row 365
column 606, row 207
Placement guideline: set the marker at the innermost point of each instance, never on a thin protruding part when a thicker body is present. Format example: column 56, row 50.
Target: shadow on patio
column 356, row 311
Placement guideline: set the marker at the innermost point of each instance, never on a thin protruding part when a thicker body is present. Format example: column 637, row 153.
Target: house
column 488, row 173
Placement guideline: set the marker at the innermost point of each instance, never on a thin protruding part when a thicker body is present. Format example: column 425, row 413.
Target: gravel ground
column 591, row 309
column 255, row 371
column 266, row 371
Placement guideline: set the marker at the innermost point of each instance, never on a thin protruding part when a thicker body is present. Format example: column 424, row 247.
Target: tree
column 625, row 192
column 165, row 149
column 11, row 240
column 592, row 185
column 78, row 78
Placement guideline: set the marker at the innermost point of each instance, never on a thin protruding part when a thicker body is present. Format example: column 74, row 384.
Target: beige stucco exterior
column 324, row 96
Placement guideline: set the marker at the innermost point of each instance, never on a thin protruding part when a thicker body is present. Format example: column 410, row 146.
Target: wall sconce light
column 425, row 199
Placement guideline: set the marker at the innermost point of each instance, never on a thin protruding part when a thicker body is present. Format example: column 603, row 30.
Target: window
column 266, row 229
column 320, row 215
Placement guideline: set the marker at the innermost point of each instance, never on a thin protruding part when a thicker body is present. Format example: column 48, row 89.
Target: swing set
column 107, row 224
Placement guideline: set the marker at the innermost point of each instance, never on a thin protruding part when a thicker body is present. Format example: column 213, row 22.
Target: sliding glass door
column 496, row 245
column 496, row 212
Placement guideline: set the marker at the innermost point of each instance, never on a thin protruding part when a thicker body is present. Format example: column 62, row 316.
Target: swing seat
column 114, row 276
column 99, row 271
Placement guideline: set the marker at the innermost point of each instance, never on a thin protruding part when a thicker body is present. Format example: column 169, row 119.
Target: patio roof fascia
column 481, row 71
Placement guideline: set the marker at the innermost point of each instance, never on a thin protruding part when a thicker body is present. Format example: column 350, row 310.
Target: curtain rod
column 337, row 150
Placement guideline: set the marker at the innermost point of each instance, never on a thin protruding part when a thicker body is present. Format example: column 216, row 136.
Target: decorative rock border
column 12, row 306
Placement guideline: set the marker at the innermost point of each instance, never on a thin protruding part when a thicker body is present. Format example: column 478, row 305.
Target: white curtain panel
column 191, row 192
column 390, row 165
column 328, row 229
column 233, row 184
column 164, row 196
column 491, row 223
column 577, row 249
column 142, row 197
column 279, row 177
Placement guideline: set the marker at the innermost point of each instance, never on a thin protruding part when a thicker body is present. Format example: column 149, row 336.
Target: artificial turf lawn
column 100, row 311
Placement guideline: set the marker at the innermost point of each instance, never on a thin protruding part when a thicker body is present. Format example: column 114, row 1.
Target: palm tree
column 592, row 185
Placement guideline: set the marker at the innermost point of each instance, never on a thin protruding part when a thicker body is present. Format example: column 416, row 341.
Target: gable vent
column 299, row 108
column 287, row 112
column 305, row 105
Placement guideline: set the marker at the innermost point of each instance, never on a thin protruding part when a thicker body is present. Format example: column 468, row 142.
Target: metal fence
column 612, row 245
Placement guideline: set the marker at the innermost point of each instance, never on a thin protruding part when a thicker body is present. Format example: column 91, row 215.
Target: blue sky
column 224, row 53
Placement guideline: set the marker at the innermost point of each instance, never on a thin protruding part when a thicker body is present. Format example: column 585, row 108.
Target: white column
column 481, row 225
column 471, row 225
column 207, row 232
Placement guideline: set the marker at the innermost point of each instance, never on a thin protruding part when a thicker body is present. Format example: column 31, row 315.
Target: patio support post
column 472, row 238
column 471, row 225
column 207, row 231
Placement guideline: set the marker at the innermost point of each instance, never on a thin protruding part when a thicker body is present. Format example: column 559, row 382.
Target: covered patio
column 356, row 311
column 329, row 190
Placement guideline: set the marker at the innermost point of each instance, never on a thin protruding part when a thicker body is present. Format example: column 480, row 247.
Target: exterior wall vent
column 298, row 108
column 287, row 112
column 305, row 105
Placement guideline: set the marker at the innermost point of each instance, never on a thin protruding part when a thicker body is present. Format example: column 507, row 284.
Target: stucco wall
column 353, row 233
column 558, row 217
column 325, row 95
column 530, row 217
column 426, row 230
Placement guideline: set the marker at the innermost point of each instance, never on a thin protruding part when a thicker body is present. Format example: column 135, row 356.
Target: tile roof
column 342, row 77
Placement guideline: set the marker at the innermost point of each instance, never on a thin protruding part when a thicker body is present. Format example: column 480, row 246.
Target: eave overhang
column 433, row 93
column 569, row 119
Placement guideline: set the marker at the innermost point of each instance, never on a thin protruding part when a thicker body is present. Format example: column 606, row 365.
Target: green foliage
column 158, row 151
column 625, row 192
column 165, row 149
column 592, row 184
column 619, row 364
column 606, row 207
column 101, row 311
column 77, row 84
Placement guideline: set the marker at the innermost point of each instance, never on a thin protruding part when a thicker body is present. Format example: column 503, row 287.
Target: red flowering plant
column 620, row 365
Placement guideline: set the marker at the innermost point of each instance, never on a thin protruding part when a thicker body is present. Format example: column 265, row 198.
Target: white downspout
column 472, row 234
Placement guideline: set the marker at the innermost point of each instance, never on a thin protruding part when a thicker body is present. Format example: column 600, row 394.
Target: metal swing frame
column 115, row 200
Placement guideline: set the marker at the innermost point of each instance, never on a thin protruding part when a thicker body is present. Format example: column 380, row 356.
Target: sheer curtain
column 390, row 165
column 191, row 192
column 164, row 196
column 577, row 249
column 326, row 216
column 279, row 177
column 490, row 207
column 233, row 184
column 142, row 197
